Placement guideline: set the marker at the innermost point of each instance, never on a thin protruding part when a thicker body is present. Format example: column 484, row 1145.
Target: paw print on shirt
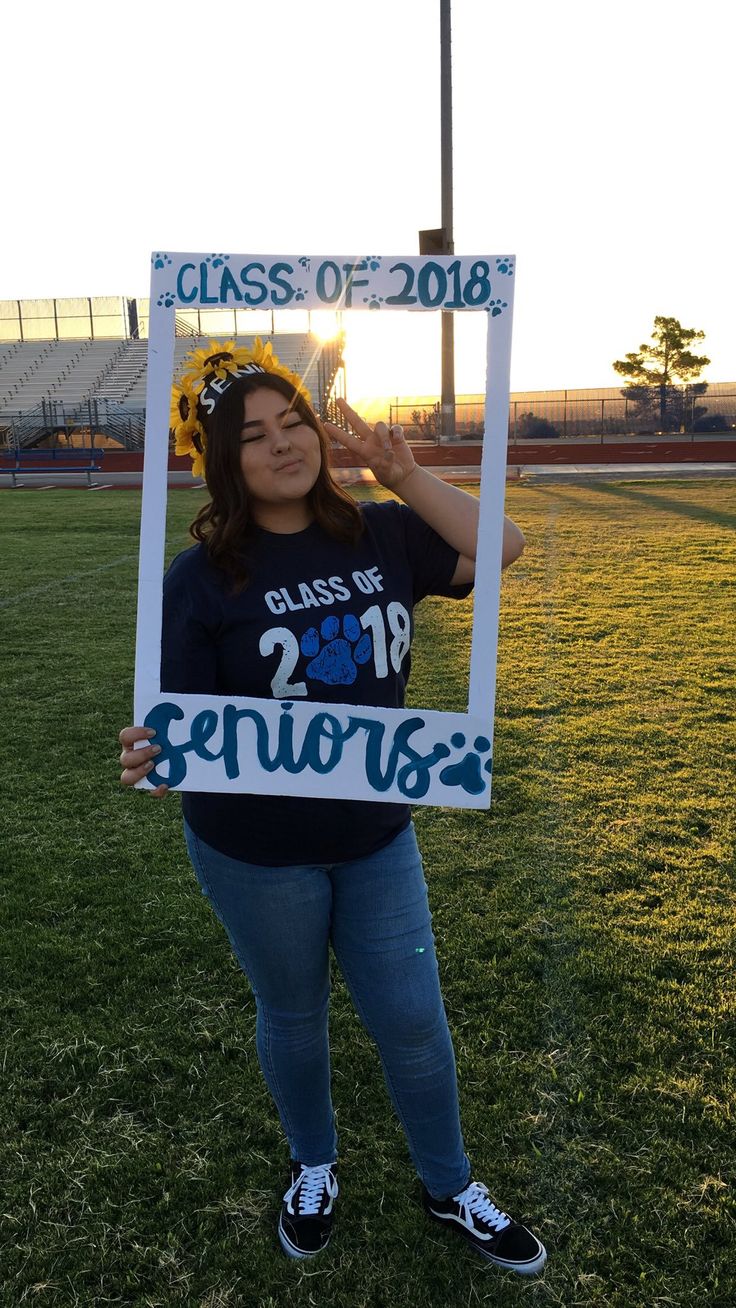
column 335, row 661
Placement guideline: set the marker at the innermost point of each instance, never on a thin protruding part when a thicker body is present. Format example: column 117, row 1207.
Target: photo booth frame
column 304, row 747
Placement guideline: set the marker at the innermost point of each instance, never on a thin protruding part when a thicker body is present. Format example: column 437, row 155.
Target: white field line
column 60, row 582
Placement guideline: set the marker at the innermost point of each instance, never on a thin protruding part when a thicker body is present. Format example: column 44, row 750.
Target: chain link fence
column 572, row 414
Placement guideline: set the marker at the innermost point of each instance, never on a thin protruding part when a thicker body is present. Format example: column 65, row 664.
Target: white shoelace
column 310, row 1186
column 475, row 1201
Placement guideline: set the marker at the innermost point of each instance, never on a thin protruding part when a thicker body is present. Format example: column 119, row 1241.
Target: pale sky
column 593, row 142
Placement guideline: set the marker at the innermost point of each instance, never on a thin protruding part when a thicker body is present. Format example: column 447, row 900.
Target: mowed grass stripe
column 585, row 928
column 64, row 582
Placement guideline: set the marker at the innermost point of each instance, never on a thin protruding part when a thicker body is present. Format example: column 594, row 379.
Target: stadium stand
column 56, row 370
column 99, row 387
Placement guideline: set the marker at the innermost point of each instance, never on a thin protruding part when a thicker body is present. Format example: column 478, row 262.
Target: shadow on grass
column 642, row 498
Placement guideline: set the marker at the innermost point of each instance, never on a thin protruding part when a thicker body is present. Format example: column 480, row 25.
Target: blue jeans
column 374, row 912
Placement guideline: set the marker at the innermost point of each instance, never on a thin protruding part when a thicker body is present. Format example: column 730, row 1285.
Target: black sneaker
column 305, row 1224
column 491, row 1232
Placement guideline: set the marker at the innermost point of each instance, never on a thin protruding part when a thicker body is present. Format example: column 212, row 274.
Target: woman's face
column 280, row 455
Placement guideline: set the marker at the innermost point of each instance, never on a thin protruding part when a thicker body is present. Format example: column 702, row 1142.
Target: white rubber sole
column 523, row 1269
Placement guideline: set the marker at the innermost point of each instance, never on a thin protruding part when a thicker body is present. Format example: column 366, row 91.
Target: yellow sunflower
column 264, row 356
column 185, row 424
column 195, row 364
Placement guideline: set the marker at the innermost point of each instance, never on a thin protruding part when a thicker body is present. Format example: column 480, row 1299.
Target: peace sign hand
column 381, row 449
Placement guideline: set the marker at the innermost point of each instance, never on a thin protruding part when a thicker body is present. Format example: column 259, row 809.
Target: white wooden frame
column 269, row 746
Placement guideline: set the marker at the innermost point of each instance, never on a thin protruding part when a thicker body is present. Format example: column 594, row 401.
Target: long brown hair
column 225, row 525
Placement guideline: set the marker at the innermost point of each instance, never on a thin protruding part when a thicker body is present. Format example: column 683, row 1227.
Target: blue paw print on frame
column 467, row 772
column 160, row 260
column 336, row 661
column 495, row 307
column 299, row 293
column 373, row 301
column 505, row 265
column 217, row 260
column 166, row 298
column 373, row 262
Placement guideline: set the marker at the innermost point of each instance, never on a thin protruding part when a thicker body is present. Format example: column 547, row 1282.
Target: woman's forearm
column 453, row 513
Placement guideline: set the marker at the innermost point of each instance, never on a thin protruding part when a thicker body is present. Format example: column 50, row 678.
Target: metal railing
column 569, row 414
column 60, row 422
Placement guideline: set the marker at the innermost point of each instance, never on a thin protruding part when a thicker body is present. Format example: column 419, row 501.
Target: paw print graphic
column 217, row 260
column 160, row 260
column 334, row 657
column 467, row 772
column 494, row 307
column 299, row 293
column 373, row 262
column 505, row 265
column 166, row 298
column 373, row 301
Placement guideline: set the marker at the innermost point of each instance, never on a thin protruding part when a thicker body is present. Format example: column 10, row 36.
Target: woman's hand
column 381, row 449
column 136, row 763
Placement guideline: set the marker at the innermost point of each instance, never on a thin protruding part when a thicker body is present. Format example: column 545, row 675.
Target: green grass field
column 585, row 929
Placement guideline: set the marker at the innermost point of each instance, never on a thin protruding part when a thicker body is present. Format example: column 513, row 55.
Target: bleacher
column 57, row 370
column 122, row 381
column 53, row 386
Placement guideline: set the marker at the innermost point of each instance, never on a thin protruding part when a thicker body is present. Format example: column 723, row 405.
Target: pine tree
column 663, row 362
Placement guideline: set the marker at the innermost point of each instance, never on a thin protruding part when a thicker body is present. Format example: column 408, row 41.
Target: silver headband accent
column 215, row 389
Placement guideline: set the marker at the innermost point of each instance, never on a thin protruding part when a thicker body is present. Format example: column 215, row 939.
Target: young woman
column 280, row 546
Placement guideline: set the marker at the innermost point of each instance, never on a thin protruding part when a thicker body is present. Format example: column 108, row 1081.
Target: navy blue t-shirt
column 318, row 620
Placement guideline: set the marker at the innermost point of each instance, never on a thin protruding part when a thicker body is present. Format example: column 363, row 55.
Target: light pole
column 448, row 335
column 441, row 240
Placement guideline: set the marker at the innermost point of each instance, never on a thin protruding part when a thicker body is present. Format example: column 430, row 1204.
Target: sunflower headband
column 207, row 375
